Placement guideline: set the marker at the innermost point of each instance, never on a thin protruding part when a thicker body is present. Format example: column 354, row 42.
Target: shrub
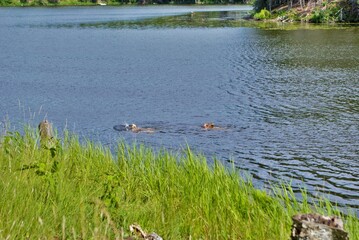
column 6, row 2
column 330, row 14
column 263, row 14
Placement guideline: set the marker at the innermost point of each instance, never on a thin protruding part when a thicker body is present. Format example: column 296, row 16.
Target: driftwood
column 317, row 227
column 138, row 232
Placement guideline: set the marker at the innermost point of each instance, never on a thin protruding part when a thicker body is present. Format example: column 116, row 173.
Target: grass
column 73, row 190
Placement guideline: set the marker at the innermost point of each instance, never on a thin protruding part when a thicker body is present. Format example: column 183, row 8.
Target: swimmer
column 133, row 127
column 210, row 126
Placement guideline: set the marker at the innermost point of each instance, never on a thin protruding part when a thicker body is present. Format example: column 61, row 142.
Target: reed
column 74, row 190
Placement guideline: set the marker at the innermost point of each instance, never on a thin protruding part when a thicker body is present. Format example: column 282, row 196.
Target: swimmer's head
column 208, row 125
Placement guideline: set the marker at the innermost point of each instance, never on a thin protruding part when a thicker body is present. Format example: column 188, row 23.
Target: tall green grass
column 73, row 190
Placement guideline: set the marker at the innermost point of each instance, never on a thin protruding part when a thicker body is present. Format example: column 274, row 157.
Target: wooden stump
column 317, row 227
column 45, row 131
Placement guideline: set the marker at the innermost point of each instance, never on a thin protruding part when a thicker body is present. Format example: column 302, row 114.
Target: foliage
column 330, row 14
column 293, row 15
column 317, row 16
column 81, row 191
column 258, row 5
column 328, row 11
column 5, row 2
column 263, row 14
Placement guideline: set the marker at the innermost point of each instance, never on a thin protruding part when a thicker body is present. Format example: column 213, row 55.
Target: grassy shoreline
column 69, row 190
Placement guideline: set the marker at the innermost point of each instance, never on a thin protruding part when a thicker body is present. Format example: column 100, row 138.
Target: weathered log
column 317, row 227
column 137, row 230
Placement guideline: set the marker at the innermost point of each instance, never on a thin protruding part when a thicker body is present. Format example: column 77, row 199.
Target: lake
column 286, row 95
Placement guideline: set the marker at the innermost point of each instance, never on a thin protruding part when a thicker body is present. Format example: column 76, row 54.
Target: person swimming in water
column 133, row 127
column 210, row 125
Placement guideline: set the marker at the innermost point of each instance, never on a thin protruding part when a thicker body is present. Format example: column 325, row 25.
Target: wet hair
column 132, row 126
column 208, row 125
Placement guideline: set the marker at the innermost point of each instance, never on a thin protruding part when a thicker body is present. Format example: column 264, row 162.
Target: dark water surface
column 289, row 100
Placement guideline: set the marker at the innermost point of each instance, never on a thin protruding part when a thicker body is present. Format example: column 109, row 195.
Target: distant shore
column 55, row 3
column 342, row 11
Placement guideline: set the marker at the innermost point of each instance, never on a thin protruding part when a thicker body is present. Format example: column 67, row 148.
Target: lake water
column 288, row 100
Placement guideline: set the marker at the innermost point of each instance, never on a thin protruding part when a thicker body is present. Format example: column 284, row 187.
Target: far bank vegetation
column 315, row 11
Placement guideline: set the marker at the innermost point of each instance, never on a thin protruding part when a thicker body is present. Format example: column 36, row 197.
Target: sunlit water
column 288, row 100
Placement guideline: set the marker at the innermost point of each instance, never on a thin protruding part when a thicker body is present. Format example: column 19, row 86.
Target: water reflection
column 297, row 88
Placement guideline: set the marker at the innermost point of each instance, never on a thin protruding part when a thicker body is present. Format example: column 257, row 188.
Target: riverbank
column 311, row 11
column 70, row 190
